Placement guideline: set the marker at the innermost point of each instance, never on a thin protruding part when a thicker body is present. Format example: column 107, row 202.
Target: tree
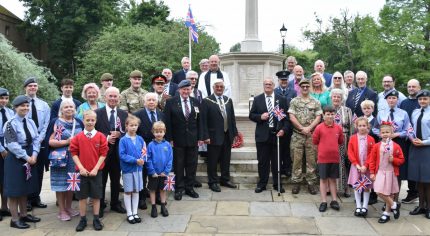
column 148, row 13
column 15, row 67
column 235, row 48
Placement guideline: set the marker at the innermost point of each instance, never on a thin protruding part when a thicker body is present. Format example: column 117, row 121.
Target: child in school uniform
column 326, row 136
column 159, row 164
column 132, row 153
column 89, row 149
column 384, row 162
column 359, row 146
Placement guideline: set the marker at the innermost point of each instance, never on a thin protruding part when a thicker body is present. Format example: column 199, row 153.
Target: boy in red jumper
column 89, row 149
column 326, row 136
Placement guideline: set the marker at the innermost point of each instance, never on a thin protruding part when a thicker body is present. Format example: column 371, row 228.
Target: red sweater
column 353, row 149
column 373, row 158
column 328, row 139
column 89, row 150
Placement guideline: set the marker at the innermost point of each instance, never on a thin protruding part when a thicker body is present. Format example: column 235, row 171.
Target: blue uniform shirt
column 401, row 120
column 160, row 157
column 43, row 115
column 9, row 114
column 382, row 102
column 425, row 124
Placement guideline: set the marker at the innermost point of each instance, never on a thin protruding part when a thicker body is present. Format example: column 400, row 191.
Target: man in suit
column 268, row 128
column 219, row 125
column 320, row 68
column 298, row 75
column 148, row 116
column 111, row 122
column 182, row 118
column 170, row 87
column 359, row 94
column 180, row 74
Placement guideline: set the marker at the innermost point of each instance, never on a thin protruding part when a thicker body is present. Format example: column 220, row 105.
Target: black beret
column 29, row 80
column 158, row 78
column 184, row 83
column 20, row 100
column 4, row 92
column 394, row 93
column 423, row 93
column 283, row 74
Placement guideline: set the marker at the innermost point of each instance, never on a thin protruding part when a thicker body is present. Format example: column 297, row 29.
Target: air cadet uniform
column 133, row 100
column 5, row 115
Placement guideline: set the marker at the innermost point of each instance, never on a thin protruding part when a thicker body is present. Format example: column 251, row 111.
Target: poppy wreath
column 238, row 141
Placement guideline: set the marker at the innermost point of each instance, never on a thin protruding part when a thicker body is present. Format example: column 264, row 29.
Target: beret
column 158, row 78
column 106, row 77
column 304, row 81
column 4, row 92
column 423, row 93
column 30, row 80
column 136, row 73
column 394, row 93
column 184, row 83
column 20, row 100
column 283, row 74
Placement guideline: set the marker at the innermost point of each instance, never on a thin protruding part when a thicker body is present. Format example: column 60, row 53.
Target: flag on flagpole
column 191, row 24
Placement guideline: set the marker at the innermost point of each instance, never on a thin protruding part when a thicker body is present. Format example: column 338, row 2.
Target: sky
column 225, row 19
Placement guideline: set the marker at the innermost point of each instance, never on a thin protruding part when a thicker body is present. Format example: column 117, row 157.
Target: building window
column 6, row 30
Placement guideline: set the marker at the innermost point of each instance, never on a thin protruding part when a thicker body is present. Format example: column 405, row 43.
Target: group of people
column 143, row 135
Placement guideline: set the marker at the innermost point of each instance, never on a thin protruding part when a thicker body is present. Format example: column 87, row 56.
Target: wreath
column 238, row 141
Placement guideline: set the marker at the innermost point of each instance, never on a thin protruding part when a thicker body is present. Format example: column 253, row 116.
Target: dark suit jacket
column 102, row 125
column 183, row 133
column 145, row 127
column 213, row 121
column 327, row 78
column 173, row 87
column 178, row 76
column 262, row 130
column 56, row 107
column 289, row 95
column 368, row 94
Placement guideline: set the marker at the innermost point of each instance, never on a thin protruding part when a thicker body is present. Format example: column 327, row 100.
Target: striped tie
column 165, row 90
column 270, row 110
column 89, row 135
column 357, row 97
column 187, row 109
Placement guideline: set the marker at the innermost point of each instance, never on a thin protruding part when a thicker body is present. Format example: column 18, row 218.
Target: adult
column 305, row 114
column 343, row 117
column 267, row 129
column 60, row 132
column 219, row 126
column 158, row 84
column 91, row 94
column 182, row 118
column 319, row 90
column 106, row 81
column 6, row 114
column 388, row 83
column 319, row 67
column 207, row 79
column 359, row 94
column 132, row 98
column 419, row 162
column 204, row 65
column 180, row 74
column 288, row 93
column 67, row 87
column 338, row 83
column 148, row 116
column 192, row 76
column 291, row 63
column 348, row 77
column 111, row 122
column 298, row 76
column 40, row 114
column 170, row 87
column 22, row 139
column 409, row 105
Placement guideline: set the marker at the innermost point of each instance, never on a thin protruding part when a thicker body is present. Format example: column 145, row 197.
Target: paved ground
column 234, row 212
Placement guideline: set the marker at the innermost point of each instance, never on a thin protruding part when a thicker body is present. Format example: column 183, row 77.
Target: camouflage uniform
column 131, row 100
column 305, row 111
column 102, row 95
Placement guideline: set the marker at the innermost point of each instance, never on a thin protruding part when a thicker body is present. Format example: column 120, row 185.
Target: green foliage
column 148, row 13
column 15, row 67
column 120, row 50
column 235, row 48
column 304, row 58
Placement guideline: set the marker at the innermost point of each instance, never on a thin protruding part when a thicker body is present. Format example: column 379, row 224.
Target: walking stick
column 279, row 168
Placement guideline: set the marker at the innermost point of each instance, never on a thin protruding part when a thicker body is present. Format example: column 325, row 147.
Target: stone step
column 241, row 178
column 243, row 153
column 235, row 166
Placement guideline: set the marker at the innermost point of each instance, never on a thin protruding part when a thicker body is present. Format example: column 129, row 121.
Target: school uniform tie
column 270, row 110
column 34, row 113
column 187, row 109
column 3, row 117
column 153, row 120
column 89, row 134
column 392, row 114
column 28, row 138
column 112, row 120
column 419, row 128
column 223, row 112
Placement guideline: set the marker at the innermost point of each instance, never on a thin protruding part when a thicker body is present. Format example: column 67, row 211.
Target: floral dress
column 343, row 117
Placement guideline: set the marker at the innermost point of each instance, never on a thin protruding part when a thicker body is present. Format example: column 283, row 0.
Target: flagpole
column 189, row 45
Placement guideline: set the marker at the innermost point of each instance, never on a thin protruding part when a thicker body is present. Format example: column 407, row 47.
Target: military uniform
column 305, row 111
column 102, row 95
column 104, row 77
column 132, row 100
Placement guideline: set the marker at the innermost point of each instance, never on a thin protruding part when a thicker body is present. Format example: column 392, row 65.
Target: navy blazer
column 368, row 94
column 145, row 127
column 102, row 125
column 289, row 95
column 178, row 76
column 327, row 77
column 173, row 87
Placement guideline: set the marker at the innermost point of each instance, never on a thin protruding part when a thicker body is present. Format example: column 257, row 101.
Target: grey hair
column 151, row 94
column 64, row 103
column 184, row 58
column 338, row 92
column 204, row 60
column 191, row 73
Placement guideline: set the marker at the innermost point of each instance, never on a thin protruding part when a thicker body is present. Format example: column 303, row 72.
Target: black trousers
column 185, row 159
column 285, row 155
column 113, row 171
column 40, row 168
column 267, row 159
column 219, row 154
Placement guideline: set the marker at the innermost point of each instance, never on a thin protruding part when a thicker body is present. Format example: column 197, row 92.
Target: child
column 89, row 149
column 132, row 152
column 325, row 136
column 359, row 146
column 159, row 165
column 384, row 162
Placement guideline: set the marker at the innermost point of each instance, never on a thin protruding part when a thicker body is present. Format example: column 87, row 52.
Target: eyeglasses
column 192, row 78
column 305, row 86
column 337, row 77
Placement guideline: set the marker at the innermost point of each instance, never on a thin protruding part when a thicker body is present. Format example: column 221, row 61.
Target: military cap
column 304, row 81
column 158, row 78
column 29, row 80
column 4, row 92
column 423, row 93
column 184, row 83
column 394, row 93
column 106, row 77
column 136, row 73
column 283, row 74
column 20, row 100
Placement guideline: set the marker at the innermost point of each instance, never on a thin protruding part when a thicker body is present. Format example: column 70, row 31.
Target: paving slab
column 301, row 197
column 242, row 195
column 395, row 227
column 232, row 208
column 421, row 223
column 299, row 209
column 194, row 208
column 344, row 226
column 172, row 223
column 204, row 195
column 270, row 209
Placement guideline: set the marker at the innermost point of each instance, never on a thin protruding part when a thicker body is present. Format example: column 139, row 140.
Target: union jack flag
column 395, row 126
column 362, row 184
column 59, row 132
column 74, row 181
column 27, row 171
column 354, row 118
column 337, row 118
column 411, row 132
column 118, row 125
column 387, row 147
column 278, row 113
column 170, row 183
column 143, row 154
column 191, row 24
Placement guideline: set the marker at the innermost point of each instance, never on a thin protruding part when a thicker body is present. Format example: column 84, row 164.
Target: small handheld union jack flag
column 362, row 184
column 169, row 183
column 74, row 181
column 118, row 125
column 337, row 118
column 27, row 171
column 59, row 132
column 387, row 147
column 354, row 118
column 395, row 126
column 143, row 154
column 279, row 113
column 411, row 132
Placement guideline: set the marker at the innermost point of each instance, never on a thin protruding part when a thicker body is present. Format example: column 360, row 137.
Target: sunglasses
column 305, row 86
column 159, row 83
column 337, row 77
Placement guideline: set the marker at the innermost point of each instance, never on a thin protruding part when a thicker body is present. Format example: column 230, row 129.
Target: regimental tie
column 153, row 120
column 28, row 138
column 3, row 117
column 89, row 135
column 112, row 120
column 270, row 110
column 419, row 126
column 357, row 97
column 223, row 112
column 34, row 113
column 187, row 109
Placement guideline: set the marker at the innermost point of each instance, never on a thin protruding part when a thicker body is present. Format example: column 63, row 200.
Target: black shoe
column 39, row 204
column 19, row 224
column 82, row 225
column 192, row 193
column 334, row 205
column 30, row 218
column 97, row 225
column 215, row 188
column 137, row 218
column 5, row 212
column 417, row 211
column 409, row 199
column 346, row 195
column 296, row 189
column 131, row 220
column 197, row 184
column 228, row 184
column 29, row 206
column 259, row 189
column 312, row 190
column 178, row 196
column 363, row 212
column 154, row 212
column 396, row 212
column 323, row 207
column 282, row 190
column 384, row 219
column 357, row 212
column 164, row 211
column 118, row 208
column 142, row 205
column 373, row 201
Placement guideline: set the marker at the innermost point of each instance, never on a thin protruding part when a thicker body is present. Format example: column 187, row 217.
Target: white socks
column 358, row 199
column 394, row 206
column 127, row 204
column 134, row 202
column 366, row 196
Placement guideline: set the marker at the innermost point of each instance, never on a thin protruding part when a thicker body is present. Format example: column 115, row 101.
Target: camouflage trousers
column 302, row 144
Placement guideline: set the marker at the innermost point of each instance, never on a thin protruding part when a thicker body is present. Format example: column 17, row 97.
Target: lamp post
column 283, row 31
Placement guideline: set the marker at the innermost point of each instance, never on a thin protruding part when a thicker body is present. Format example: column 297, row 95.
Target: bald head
column 213, row 62
column 413, row 87
column 298, row 72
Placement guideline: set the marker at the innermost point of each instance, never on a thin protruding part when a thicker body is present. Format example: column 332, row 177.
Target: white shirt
column 108, row 110
column 93, row 132
column 272, row 100
column 183, row 105
column 64, row 98
column 202, row 83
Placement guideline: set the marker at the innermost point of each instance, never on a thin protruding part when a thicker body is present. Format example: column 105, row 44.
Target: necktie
column 89, row 135
column 392, row 114
column 223, row 112
column 3, row 117
column 357, row 97
column 112, row 120
column 153, row 120
column 34, row 113
column 28, row 138
column 419, row 128
column 187, row 109
column 270, row 110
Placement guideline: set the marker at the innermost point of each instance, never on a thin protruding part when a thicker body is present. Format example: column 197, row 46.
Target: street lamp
column 283, row 31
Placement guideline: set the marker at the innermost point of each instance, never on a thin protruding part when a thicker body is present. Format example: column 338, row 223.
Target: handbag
column 58, row 157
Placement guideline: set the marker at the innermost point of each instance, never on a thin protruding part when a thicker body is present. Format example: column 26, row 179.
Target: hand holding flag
column 362, row 184
column 411, row 132
column 279, row 113
column 169, row 183
column 74, row 181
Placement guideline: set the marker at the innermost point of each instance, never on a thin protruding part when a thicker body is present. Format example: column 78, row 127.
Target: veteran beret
column 20, row 100
column 283, row 74
column 4, row 92
column 184, row 83
column 304, row 81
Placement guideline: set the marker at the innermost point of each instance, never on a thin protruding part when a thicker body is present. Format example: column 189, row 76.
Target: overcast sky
column 225, row 19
